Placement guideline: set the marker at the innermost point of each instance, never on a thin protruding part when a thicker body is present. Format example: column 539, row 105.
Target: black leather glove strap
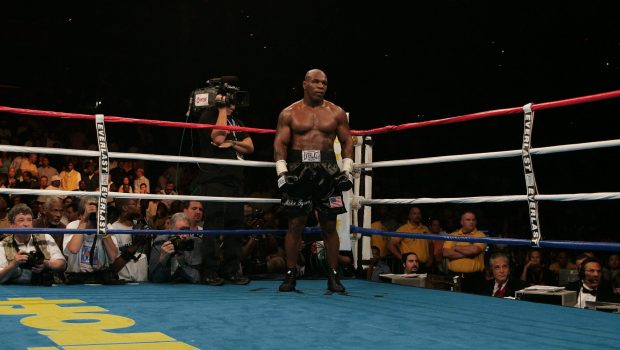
column 287, row 181
column 343, row 182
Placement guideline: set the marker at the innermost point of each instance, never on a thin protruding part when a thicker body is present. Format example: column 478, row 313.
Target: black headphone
column 582, row 267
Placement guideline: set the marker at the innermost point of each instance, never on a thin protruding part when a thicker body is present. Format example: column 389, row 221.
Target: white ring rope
column 476, row 156
column 492, row 155
column 23, row 191
column 497, row 199
column 141, row 156
column 262, row 164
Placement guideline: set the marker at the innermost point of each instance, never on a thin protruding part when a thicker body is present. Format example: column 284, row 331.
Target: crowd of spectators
column 497, row 270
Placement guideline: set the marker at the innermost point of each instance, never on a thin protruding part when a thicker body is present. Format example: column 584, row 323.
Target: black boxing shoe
column 333, row 282
column 290, row 281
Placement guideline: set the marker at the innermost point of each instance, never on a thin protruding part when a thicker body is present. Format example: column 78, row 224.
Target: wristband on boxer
column 281, row 167
column 347, row 165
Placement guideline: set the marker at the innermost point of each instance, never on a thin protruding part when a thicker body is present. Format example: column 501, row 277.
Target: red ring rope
column 385, row 129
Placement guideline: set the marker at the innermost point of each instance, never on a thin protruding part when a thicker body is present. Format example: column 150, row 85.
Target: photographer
column 223, row 181
column 131, row 264
column 261, row 252
column 176, row 258
column 28, row 258
column 89, row 255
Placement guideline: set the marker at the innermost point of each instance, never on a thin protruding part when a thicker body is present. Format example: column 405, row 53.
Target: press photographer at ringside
column 176, row 258
column 28, row 259
column 89, row 256
column 223, row 181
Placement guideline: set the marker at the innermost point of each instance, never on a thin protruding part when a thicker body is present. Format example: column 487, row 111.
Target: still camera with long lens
column 204, row 98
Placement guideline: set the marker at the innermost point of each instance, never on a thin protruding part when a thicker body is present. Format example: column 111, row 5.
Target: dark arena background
column 388, row 64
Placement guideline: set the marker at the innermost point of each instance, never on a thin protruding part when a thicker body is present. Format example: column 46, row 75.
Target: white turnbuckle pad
column 310, row 156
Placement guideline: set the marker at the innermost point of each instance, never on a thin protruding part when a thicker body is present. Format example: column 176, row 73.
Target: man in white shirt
column 89, row 255
column 132, row 264
column 27, row 258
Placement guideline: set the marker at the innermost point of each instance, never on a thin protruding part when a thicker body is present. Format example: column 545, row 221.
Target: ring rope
column 140, row 156
column 491, row 155
column 26, row 231
column 385, row 129
column 360, row 200
column 113, row 119
column 605, row 246
column 497, row 199
column 532, row 196
column 369, row 165
column 25, row 191
column 600, row 246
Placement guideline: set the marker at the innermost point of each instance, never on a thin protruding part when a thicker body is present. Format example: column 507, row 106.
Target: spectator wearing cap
column 54, row 183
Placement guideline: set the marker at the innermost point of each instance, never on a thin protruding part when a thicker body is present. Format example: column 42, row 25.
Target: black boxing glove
column 342, row 181
column 285, row 180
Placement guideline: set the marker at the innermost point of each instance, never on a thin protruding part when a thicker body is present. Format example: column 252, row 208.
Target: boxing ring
column 257, row 316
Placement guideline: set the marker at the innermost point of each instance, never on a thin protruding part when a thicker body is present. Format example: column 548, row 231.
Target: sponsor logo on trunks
column 295, row 203
column 310, row 156
column 335, row 202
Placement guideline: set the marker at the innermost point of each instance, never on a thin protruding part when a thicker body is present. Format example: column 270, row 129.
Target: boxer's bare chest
column 318, row 119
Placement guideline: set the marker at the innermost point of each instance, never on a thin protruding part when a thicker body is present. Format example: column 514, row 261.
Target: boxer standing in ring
column 308, row 175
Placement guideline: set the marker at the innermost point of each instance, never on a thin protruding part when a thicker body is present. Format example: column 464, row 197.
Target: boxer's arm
column 344, row 134
column 283, row 136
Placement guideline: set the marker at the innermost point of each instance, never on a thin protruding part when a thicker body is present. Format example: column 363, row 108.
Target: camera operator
column 89, row 255
column 224, row 181
column 176, row 258
column 28, row 259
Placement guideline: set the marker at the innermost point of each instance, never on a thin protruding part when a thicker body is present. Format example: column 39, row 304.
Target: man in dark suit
column 501, row 285
column 591, row 286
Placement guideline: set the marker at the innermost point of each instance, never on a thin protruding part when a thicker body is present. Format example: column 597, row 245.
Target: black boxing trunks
column 315, row 188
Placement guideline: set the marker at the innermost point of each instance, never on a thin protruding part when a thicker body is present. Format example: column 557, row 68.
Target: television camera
column 204, row 98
